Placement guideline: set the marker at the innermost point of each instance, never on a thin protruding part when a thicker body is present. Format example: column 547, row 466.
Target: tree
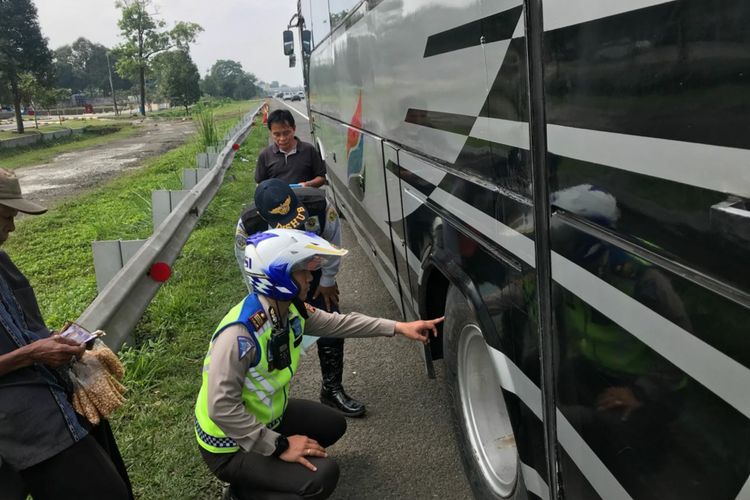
column 82, row 67
column 177, row 78
column 145, row 36
column 22, row 49
column 227, row 79
column 39, row 95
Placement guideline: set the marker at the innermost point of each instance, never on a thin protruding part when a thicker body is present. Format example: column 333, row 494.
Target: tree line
column 151, row 60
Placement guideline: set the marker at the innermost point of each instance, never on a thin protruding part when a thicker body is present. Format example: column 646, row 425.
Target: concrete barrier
column 27, row 140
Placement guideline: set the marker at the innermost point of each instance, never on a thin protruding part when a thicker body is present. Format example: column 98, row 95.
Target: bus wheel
column 480, row 417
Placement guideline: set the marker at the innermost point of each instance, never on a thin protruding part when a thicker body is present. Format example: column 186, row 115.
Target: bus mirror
column 292, row 60
column 306, row 42
column 288, row 43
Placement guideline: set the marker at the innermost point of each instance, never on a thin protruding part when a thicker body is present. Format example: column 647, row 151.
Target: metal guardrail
column 121, row 304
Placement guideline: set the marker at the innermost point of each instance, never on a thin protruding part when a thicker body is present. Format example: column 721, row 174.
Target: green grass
column 36, row 154
column 154, row 428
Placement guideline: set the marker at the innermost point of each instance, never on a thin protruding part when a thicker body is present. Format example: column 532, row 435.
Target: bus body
column 637, row 385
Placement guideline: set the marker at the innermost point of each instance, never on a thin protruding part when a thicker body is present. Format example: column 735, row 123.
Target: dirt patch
column 69, row 174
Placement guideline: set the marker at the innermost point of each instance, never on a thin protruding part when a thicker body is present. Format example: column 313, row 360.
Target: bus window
column 340, row 9
column 319, row 21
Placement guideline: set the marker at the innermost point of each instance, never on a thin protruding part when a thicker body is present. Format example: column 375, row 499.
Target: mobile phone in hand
column 77, row 333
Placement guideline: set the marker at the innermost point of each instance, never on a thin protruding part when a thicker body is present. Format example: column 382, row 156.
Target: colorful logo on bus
column 355, row 149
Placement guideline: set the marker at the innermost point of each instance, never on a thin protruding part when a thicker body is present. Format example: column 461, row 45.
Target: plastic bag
column 98, row 392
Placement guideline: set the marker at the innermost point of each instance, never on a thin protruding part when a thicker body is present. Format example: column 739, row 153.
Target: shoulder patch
column 239, row 240
column 332, row 215
column 245, row 345
column 309, row 308
column 258, row 320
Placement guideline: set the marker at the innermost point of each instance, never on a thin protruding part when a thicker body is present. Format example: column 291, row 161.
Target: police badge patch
column 245, row 345
column 240, row 241
column 332, row 215
column 312, row 224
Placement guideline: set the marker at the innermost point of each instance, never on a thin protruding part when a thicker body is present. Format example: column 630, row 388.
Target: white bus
column 569, row 183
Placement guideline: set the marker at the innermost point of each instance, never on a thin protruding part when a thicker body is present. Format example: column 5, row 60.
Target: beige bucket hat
column 10, row 194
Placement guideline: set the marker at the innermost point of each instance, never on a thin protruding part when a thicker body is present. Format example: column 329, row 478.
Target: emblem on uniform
column 240, row 241
column 283, row 209
column 332, row 215
column 309, row 308
column 312, row 224
column 245, row 345
column 258, row 320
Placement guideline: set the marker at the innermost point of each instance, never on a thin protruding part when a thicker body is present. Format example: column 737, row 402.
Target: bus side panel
column 355, row 170
column 648, row 169
column 436, row 204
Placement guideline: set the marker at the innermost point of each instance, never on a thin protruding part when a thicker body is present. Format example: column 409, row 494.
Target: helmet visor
column 310, row 264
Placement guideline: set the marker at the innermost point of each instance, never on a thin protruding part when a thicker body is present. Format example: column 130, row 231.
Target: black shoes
column 338, row 399
column 332, row 393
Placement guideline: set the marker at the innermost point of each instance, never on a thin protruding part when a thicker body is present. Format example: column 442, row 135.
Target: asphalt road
column 404, row 447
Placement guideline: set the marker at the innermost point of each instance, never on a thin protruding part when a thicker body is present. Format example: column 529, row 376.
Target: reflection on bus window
column 340, row 9
column 319, row 21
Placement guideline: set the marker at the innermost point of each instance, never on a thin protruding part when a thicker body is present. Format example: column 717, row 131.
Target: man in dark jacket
column 45, row 447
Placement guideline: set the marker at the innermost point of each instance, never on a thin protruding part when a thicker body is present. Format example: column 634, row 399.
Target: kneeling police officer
column 306, row 208
column 251, row 434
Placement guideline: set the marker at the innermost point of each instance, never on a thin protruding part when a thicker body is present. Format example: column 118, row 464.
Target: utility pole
column 111, row 87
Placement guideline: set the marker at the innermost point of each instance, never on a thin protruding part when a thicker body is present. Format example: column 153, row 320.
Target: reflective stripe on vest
column 264, row 392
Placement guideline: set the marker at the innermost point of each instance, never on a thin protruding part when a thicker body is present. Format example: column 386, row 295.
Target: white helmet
column 271, row 257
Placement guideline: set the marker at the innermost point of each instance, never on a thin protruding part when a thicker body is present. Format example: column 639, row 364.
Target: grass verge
column 43, row 152
column 154, row 429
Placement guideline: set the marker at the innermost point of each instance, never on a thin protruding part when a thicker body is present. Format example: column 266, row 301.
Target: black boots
column 332, row 369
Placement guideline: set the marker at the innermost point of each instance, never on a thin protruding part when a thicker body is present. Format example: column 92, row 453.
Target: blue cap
column 279, row 206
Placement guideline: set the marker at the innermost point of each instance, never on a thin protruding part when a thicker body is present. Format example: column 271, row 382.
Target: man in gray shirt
column 288, row 158
column 296, row 162
column 250, row 433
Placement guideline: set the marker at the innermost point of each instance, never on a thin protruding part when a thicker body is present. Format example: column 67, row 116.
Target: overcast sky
column 248, row 31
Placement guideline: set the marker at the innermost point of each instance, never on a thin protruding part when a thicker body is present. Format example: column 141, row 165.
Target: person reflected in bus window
column 288, row 158
column 296, row 162
column 616, row 388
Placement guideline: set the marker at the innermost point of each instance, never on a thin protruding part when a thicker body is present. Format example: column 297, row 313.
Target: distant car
column 296, row 97
column 287, row 96
column 301, row 94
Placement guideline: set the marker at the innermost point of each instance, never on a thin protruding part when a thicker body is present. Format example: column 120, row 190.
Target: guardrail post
column 192, row 176
column 110, row 256
column 163, row 202
column 206, row 160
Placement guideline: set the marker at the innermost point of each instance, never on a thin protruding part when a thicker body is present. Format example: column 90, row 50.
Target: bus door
column 407, row 278
column 362, row 165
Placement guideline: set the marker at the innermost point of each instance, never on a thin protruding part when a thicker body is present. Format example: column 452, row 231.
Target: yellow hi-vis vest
column 265, row 393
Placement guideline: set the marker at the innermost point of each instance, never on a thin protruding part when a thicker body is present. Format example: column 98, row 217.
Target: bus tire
column 479, row 412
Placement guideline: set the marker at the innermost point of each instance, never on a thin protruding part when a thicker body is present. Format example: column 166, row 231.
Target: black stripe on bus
column 494, row 28
column 447, row 122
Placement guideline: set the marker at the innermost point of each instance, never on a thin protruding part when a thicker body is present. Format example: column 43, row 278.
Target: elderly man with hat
column 46, row 449
column 279, row 206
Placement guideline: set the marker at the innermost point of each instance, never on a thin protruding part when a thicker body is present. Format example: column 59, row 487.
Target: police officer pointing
column 278, row 206
column 250, row 433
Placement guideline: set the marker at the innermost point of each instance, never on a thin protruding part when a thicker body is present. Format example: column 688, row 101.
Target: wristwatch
column 282, row 444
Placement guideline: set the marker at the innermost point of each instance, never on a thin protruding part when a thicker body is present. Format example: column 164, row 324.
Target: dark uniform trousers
column 257, row 477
